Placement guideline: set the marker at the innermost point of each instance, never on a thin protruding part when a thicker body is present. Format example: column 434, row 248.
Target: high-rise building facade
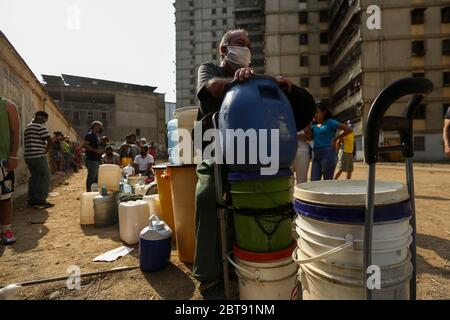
column 296, row 43
column 328, row 47
column 200, row 25
column 413, row 41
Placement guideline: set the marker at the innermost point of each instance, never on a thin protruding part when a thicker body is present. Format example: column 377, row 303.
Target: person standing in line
column 94, row 153
column 9, row 146
column 324, row 132
column 37, row 143
column 346, row 149
column 301, row 163
column 57, row 157
column 446, row 133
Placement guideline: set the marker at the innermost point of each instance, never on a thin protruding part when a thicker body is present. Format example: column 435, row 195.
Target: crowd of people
column 132, row 151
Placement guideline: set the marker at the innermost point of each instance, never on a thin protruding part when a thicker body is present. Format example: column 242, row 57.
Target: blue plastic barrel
column 257, row 104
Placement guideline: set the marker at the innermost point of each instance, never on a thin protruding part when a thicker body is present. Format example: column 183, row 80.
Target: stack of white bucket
column 330, row 228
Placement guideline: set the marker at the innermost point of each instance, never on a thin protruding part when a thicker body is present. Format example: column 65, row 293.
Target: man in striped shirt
column 37, row 142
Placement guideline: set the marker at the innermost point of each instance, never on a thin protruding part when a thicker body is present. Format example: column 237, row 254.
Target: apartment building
column 327, row 47
column 414, row 40
column 200, row 25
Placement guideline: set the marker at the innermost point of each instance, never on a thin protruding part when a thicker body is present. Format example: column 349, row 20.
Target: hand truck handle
column 418, row 87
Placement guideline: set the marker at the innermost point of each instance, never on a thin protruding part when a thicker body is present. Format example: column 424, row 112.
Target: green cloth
column 5, row 144
column 208, row 259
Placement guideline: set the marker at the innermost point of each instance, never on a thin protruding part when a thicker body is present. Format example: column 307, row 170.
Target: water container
column 186, row 120
column 128, row 171
column 165, row 195
column 134, row 180
column 172, row 141
column 133, row 217
column 258, row 104
column 183, row 182
column 105, row 210
column 330, row 226
column 265, row 276
column 87, row 208
column 109, row 175
column 144, row 189
column 153, row 202
column 154, row 245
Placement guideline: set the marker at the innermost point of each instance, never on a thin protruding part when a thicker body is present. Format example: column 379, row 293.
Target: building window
column 418, row 74
column 303, row 17
column 419, row 143
column 324, row 82
column 224, row 10
column 213, row 45
column 323, row 16
column 76, row 116
column 303, row 38
column 90, row 116
column 445, row 15
column 418, row 16
column 323, row 37
column 421, row 112
column 418, row 48
column 324, row 60
column 304, row 61
column 446, row 47
column 447, row 79
column 138, row 132
column 104, row 116
column 213, row 11
column 214, row 57
column 213, row 22
column 224, row 22
column 445, row 109
column 304, row 82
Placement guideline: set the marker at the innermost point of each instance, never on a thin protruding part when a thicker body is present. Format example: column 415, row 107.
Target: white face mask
column 239, row 57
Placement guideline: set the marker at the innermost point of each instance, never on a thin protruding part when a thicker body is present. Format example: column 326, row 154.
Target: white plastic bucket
column 324, row 281
column 265, row 280
column 330, row 228
column 389, row 245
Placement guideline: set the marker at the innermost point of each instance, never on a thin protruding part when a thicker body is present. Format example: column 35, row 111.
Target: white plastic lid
column 157, row 230
column 350, row 193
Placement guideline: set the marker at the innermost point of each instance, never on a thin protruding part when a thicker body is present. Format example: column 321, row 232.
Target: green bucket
column 261, row 194
column 264, row 230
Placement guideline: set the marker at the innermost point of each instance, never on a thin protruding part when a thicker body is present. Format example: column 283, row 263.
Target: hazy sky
column 129, row 41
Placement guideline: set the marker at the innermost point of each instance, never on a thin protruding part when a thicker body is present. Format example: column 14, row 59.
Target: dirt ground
column 49, row 241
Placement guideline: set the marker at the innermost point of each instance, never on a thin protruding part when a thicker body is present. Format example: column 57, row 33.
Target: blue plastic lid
column 243, row 176
column 353, row 215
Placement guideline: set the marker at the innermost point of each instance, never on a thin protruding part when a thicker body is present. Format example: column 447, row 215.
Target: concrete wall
column 18, row 84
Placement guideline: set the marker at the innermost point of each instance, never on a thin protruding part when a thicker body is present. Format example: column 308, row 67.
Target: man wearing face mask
column 37, row 141
column 235, row 51
column 92, row 145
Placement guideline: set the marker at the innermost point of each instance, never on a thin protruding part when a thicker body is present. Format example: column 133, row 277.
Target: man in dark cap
column 38, row 141
column 94, row 152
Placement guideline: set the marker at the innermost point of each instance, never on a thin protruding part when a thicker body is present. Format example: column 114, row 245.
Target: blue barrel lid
column 353, row 215
column 243, row 176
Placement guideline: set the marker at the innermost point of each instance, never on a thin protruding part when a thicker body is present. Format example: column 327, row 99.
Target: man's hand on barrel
column 284, row 83
column 243, row 74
